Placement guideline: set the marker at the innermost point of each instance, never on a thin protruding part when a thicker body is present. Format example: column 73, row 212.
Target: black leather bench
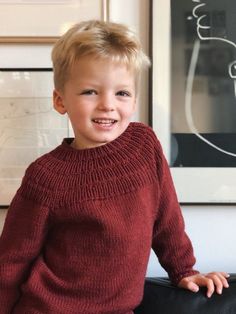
column 161, row 297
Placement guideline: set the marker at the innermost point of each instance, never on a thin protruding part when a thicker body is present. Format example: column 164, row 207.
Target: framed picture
column 42, row 21
column 29, row 125
column 193, row 109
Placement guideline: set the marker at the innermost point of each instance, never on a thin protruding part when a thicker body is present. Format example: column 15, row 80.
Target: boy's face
column 99, row 98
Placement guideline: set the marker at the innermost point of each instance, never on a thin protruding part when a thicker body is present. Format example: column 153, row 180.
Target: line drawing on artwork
column 192, row 70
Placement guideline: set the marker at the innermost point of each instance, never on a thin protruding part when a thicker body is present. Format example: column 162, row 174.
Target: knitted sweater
column 79, row 230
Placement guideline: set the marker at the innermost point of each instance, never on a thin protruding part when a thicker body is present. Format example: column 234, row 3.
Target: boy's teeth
column 104, row 121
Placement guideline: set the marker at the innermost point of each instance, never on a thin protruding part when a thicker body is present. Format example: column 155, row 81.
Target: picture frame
column 38, row 26
column 29, row 127
column 208, row 182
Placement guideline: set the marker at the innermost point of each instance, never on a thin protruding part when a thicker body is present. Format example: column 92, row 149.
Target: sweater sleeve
column 23, row 234
column 170, row 242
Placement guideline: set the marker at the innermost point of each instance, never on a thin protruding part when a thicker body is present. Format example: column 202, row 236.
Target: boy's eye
column 123, row 93
column 89, row 92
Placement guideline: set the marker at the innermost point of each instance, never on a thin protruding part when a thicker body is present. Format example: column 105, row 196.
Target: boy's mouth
column 104, row 121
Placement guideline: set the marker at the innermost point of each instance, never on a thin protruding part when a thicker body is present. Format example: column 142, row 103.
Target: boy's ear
column 58, row 102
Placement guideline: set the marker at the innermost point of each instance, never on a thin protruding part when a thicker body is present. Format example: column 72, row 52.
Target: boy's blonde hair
column 107, row 40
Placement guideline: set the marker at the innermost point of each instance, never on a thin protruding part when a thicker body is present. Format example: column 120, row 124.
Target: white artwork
column 192, row 69
column 35, row 19
column 29, row 126
column 194, row 96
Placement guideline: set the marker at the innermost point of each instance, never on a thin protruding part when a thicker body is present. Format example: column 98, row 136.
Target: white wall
column 212, row 232
column 211, row 228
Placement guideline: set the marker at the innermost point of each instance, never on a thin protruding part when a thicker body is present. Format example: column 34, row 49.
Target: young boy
column 79, row 230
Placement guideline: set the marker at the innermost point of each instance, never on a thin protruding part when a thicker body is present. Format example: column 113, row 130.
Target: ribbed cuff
column 175, row 278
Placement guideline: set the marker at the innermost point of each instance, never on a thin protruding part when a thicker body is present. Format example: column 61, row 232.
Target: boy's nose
column 106, row 103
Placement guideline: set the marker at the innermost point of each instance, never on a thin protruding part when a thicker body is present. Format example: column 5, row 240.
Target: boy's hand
column 213, row 281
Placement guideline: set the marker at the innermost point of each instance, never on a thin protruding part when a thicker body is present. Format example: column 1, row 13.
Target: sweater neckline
column 66, row 152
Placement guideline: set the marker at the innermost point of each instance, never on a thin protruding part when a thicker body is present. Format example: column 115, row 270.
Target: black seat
column 161, row 297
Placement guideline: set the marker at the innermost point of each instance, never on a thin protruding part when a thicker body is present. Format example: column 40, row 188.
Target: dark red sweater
column 78, row 233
